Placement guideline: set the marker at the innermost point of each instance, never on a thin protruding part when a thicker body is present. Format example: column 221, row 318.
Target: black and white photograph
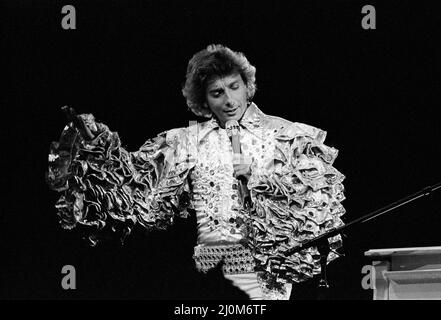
column 209, row 151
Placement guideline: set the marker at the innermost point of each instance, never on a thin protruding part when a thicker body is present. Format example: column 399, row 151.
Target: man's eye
column 216, row 94
column 235, row 86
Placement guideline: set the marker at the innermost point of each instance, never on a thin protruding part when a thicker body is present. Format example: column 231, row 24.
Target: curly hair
column 212, row 62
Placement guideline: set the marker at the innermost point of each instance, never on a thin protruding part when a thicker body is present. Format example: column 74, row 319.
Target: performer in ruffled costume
column 295, row 191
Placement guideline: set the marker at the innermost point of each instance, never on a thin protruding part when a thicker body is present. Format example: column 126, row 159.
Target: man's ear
column 249, row 93
column 205, row 111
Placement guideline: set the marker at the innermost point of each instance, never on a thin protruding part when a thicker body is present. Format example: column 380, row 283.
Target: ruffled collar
column 252, row 117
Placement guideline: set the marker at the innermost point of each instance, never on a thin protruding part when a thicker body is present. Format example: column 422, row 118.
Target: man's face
column 227, row 98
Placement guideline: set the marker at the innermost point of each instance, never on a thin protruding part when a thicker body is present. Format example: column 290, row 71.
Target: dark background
column 376, row 93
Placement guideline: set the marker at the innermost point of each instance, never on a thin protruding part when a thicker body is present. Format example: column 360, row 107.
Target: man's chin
column 236, row 117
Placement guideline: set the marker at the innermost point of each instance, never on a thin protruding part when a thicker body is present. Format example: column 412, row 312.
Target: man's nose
column 228, row 100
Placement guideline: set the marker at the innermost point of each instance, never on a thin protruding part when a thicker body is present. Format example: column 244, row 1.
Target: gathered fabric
column 296, row 192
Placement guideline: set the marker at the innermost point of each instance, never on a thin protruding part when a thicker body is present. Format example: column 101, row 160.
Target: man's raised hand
column 78, row 122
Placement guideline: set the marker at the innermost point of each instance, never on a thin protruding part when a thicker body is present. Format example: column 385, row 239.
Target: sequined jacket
column 296, row 192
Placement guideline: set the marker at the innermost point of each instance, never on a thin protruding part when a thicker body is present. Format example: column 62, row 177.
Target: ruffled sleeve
column 106, row 190
column 299, row 200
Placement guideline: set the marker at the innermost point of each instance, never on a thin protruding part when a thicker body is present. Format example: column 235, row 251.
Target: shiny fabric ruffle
column 296, row 203
column 106, row 189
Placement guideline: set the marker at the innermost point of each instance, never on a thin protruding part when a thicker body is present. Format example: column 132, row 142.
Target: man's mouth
column 231, row 112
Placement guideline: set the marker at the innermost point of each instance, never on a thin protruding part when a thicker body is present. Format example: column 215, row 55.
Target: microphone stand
column 322, row 244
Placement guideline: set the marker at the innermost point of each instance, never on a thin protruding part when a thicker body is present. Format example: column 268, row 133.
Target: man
column 251, row 206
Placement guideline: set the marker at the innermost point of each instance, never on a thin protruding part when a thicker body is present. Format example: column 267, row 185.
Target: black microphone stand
column 322, row 244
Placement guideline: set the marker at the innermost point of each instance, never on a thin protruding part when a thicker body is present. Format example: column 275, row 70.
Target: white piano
column 406, row 273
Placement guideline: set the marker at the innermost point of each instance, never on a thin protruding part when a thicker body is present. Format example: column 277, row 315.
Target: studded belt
column 236, row 258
